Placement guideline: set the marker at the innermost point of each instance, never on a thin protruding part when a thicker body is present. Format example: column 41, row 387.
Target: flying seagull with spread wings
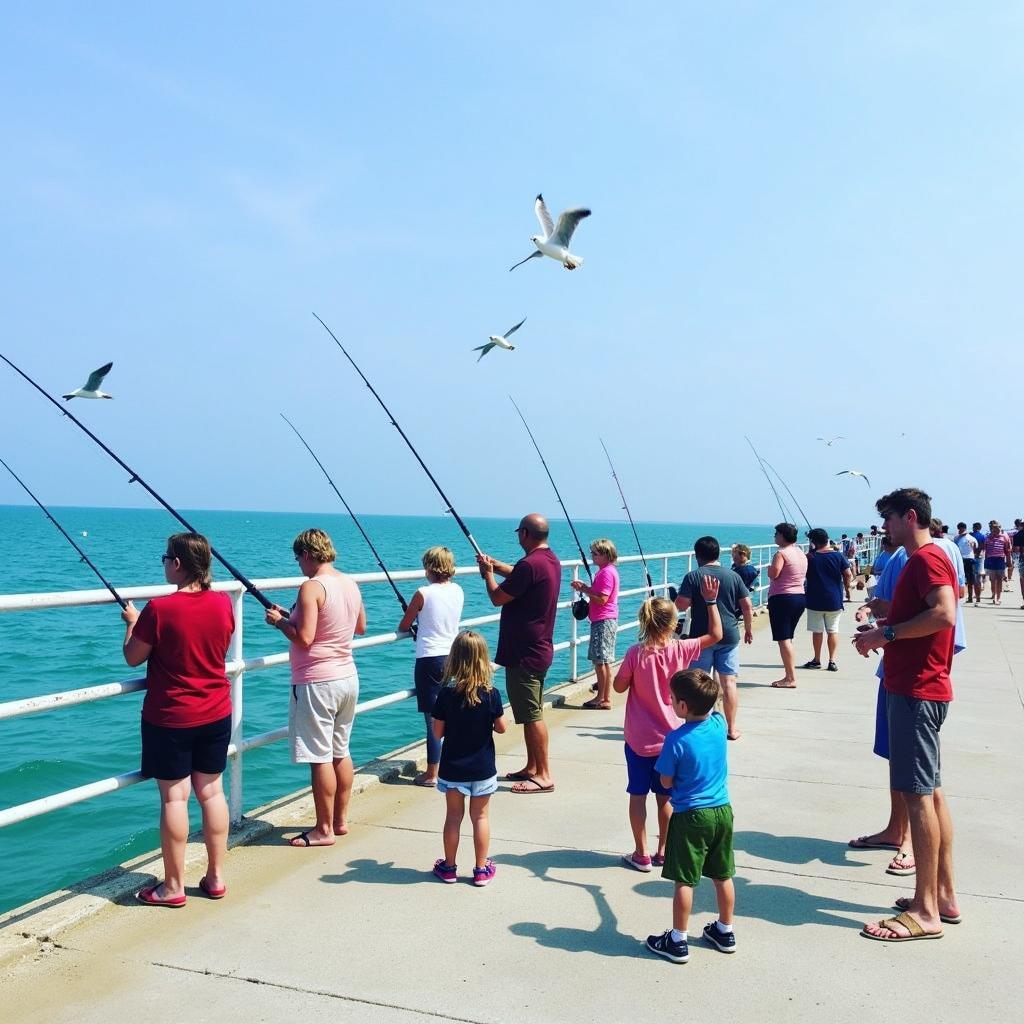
column 92, row 385
column 831, row 440
column 556, row 238
column 854, row 472
column 499, row 341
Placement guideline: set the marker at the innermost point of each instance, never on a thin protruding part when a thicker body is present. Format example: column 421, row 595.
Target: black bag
column 580, row 608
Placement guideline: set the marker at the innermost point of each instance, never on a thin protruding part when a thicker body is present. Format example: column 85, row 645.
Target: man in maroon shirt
column 917, row 634
column 527, row 598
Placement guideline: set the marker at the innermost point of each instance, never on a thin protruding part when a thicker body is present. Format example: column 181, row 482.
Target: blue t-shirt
column 695, row 756
column 747, row 572
column 980, row 538
column 468, row 751
column 825, row 580
column 881, row 561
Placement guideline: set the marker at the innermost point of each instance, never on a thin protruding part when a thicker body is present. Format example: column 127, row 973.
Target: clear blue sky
column 807, row 220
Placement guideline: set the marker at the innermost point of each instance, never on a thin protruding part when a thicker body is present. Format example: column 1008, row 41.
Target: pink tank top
column 794, row 572
column 330, row 655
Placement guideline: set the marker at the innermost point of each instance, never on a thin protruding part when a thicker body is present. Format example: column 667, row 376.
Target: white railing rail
column 237, row 666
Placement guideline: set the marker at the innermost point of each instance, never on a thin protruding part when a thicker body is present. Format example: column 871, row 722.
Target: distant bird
column 501, row 341
column 92, row 385
column 555, row 240
column 854, row 472
column 831, row 440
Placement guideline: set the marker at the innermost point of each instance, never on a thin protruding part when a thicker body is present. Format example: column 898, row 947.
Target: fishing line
column 67, row 536
column 789, row 492
column 355, row 518
column 135, row 478
column 625, row 508
column 444, row 497
column 782, row 508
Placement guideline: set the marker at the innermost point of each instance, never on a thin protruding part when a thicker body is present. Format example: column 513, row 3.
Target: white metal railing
column 237, row 665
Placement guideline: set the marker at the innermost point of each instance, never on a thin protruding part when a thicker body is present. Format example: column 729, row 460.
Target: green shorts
column 699, row 843
column 525, row 689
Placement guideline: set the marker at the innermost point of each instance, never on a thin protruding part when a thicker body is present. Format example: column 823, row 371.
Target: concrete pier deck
column 362, row 932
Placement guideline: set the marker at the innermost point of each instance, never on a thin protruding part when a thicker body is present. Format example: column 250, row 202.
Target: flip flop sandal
column 536, row 787
column 210, row 892
column 863, row 843
column 898, row 865
column 909, row 922
column 904, row 902
column 148, row 896
column 517, row 776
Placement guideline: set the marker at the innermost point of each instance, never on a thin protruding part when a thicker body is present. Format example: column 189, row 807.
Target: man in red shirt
column 917, row 634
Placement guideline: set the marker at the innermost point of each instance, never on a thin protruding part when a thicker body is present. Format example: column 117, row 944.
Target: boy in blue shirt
column 693, row 765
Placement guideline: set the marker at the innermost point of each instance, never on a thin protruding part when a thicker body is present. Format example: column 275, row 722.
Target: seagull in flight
column 556, row 239
column 501, row 341
column 92, row 385
column 854, row 472
column 831, row 440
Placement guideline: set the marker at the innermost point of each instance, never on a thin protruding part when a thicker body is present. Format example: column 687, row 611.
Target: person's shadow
column 377, row 872
column 795, row 849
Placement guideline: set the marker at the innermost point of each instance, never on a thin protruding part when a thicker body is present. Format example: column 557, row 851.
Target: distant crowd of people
column 674, row 740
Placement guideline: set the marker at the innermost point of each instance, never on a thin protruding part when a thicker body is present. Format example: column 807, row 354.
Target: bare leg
column 536, row 736
column 210, row 794
column 456, row 809
column 344, row 774
column 481, row 828
column 325, row 784
column 604, row 682
column 664, row 817
column 725, row 893
column 730, row 704
column 789, row 678
column 173, row 834
column 638, row 823
column 897, row 829
column 833, row 645
column 816, row 644
column 946, row 886
column 682, row 904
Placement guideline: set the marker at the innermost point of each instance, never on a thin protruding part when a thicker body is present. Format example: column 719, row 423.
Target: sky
column 807, row 221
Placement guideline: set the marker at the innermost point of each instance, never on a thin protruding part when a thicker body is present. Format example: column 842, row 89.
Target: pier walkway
column 361, row 932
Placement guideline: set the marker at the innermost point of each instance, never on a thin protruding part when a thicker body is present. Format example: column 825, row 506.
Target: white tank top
column 437, row 624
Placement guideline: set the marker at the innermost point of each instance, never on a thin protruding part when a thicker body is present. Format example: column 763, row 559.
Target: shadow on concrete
column 777, row 904
column 379, row 872
column 795, row 849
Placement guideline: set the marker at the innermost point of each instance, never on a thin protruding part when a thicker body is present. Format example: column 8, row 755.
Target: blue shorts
column 723, row 658
column 641, row 778
column 881, row 747
column 485, row 787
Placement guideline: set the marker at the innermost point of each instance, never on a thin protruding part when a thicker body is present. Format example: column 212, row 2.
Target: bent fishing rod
column 444, row 497
column 782, row 508
column 135, row 478
column 575, row 535
column 625, row 508
column 355, row 519
column 67, row 536
column 789, row 492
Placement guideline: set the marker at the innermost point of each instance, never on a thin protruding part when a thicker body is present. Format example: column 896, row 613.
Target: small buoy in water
column 85, row 533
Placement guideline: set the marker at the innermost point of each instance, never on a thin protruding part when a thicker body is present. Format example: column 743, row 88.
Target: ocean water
column 60, row 649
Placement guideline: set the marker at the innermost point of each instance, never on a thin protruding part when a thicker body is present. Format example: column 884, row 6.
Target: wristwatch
column 889, row 633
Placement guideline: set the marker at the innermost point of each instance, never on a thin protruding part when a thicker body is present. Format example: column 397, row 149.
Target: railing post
column 235, row 800
column 664, row 576
column 573, row 632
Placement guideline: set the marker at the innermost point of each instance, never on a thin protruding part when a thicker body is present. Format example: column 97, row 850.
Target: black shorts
column 969, row 566
column 784, row 612
column 171, row 754
column 428, row 676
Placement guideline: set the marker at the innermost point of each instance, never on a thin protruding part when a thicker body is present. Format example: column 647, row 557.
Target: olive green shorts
column 699, row 843
column 525, row 689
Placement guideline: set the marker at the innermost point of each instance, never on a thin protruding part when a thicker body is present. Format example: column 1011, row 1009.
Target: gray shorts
column 320, row 719
column 601, row 650
column 914, row 759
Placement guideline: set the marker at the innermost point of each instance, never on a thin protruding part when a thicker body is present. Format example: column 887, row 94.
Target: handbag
column 580, row 608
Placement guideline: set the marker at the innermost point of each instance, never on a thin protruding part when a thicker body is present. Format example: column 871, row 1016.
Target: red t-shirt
column 189, row 632
column 528, row 623
column 919, row 667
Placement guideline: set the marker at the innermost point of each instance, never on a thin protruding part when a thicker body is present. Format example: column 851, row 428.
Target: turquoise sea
column 61, row 649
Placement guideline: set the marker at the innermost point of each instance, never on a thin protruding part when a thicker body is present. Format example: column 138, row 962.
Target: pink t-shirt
column 794, row 572
column 649, row 714
column 330, row 655
column 606, row 581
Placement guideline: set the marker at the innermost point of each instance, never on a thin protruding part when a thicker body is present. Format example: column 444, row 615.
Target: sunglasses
column 167, row 558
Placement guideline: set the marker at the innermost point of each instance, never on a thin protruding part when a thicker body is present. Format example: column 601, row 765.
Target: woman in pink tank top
column 325, row 687
column 786, row 601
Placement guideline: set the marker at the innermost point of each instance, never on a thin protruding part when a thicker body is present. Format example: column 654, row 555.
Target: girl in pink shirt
column 644, row 675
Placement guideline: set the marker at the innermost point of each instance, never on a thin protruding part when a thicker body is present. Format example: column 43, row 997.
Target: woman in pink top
column 786, row 600
column 603, row 592
column 645, row 673
column 325, row 687
column 997, row 557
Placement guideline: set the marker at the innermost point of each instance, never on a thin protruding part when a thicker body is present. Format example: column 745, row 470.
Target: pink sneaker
column 481, row 876
column 635, row 862
column 446, row 872
column 657, row 860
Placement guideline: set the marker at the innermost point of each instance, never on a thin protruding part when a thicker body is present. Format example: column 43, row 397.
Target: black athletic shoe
column 811, row 664
column 722, row 941
column 833, row 667
column 677, row 952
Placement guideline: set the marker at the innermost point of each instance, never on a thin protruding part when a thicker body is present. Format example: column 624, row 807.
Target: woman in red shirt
column 186, row 716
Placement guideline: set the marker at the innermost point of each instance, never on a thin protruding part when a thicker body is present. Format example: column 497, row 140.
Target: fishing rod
column 575, row 535
column 789, row 492
column 359, row 525
column 458, row 519
column 760, row 462
column 67, row 536
column 625, row 508
column 135, row 478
